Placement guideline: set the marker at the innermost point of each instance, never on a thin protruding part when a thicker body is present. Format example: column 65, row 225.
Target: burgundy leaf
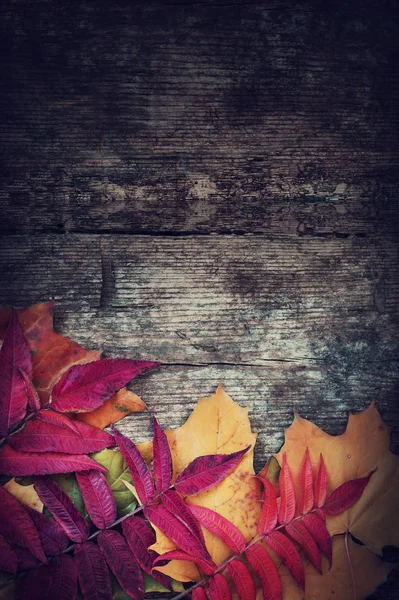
column 198, row 594
column 283, row 546
column 62, row 508
column 176, row 505
column 39, row 436
column 219, row 588
column 98, row 498
column 36, row 585
column 287, row 494
column 64, row 582
column 16, row 525
column 268, row 516
column 220, row 526
column 85, row 387
column 122, row 562
column 206, row 471
column 140, row 535
column 176, row 531
column 8, row 558
column 52, row 537
column 301, row 535
column 14, row 356
column 26, row 560
column 55, row 418
column 18, row 464
column 265, row 568
column 345, row 495
column 242, row 580
column 93, row 573
column 57, row 581
column 317, row 528
column 141, row 476
column 306, row 478
column 162, row 459
column 205, row 565
column 321, row 484
column 31, row 394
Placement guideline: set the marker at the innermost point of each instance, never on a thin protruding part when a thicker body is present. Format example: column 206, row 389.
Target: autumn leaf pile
column 97, row 517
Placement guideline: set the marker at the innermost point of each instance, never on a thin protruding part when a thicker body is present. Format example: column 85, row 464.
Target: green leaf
column 152, row 585
column 117, row 473
column 69, row 485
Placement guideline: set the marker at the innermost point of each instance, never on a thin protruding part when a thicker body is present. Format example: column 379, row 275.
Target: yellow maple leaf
column 216, row 426
column 362, row 448
column 26, row 494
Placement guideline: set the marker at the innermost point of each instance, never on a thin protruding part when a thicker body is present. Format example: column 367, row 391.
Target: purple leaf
column 162, row 459
column 17, row 526
column 52, row 537
column 97, row 497
column 206, row 471
column 14, row 356
column 31, row 394
column 208, row 567
column 8, row 558
column 39, row 436
column 122, row 563
column 62, row 508
column 26, row 560
column 55, row 418
column 141, row 476
column 176, row 531
column 85, row 387
column 93, row 573
column 176, row 505
column 36, row 585
column 18, row 464
column 64, row 582
column 140, row 535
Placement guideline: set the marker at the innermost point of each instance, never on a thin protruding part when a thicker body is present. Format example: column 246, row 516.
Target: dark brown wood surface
column 212, row 184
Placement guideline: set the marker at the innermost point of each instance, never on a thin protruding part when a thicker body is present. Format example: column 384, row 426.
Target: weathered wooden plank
column 324, row 309
column 198, row 117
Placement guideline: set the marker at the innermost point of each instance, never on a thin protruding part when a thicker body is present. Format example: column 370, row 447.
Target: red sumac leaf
column 283, row 546
column 242, row 580
column 8, row 558
column 55, row 418
column 317, row 528
column 287, row 493
column 31, row 394
column 176, row 505
column 321, row 484
column 219, row 588
column 52, row 537
column 26, row 560
column 301, row 535
column 306, row 478
column 141, row 476
column 64, row 581
column 206, row 471
column 175, row 530
column 198, row 594
column 35, row 585
column 265, row 568
column 220, row 526
column 85, row 387
column 268, row 516
column 93, row 576
column 162, row 459
column 18, row 464
column 39, row 436
column 140, row 535
column 14, row 356
column 98, row 498
column 62, row 509
column 206, row 566
column 345, row 495
column 122, row 563
column 17, row 526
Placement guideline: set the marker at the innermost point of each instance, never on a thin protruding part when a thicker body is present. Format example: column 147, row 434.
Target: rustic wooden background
column 212, row 184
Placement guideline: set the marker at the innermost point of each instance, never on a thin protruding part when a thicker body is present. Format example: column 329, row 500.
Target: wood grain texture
column 212, row 184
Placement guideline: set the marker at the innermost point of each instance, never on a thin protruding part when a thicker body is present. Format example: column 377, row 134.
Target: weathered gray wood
column 199, row 116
